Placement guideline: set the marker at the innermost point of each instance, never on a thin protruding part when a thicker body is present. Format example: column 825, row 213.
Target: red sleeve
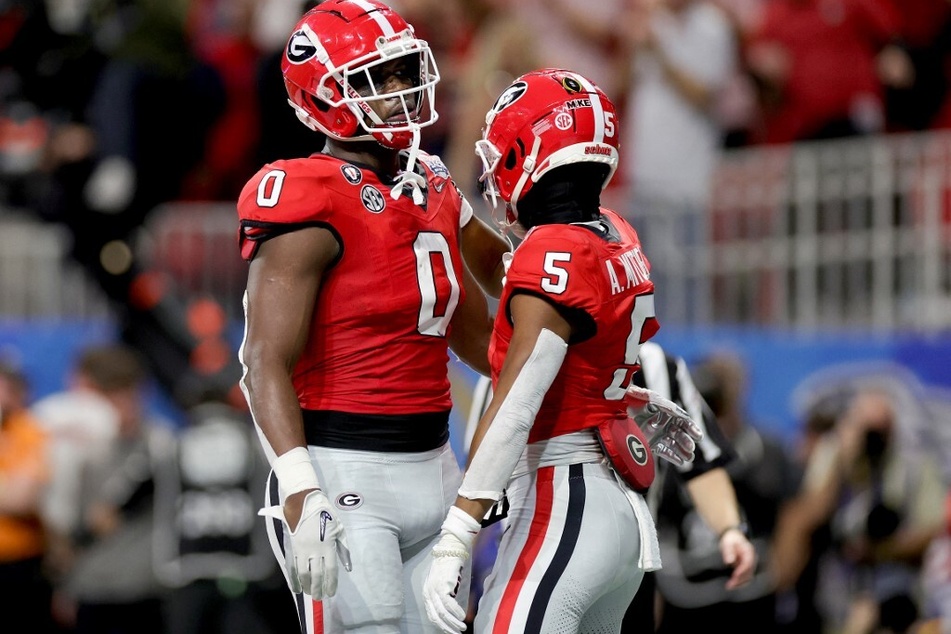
column 281, row 197
column 553, row 267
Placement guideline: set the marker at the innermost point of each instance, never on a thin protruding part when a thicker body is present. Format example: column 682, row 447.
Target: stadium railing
column 844, row 233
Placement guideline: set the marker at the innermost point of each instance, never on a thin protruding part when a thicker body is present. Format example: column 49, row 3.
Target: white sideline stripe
column 597, row 106
column 384, row 24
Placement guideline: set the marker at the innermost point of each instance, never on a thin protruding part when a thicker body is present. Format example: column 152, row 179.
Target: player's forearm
column 715, row 499
column 274, row 404
column 472, row 327
column 475, row 508
column 504, row 429
column 482, row 249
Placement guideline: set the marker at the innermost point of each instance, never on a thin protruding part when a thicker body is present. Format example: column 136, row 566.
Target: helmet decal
column 300, row 48
column 339, row 67
column 543, row 120
column 511, row 94
column 564, row 121
column 571, row 84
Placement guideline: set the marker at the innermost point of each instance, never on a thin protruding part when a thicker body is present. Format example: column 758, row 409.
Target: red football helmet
column 545, row 119
column 334, row 51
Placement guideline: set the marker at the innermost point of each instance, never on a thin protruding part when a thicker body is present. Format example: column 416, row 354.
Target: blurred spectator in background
column 883, row 504
column 48, row 68
column 280, row 136
column 822, row 67
column 737, row 108
column 81, row 424
column 503, row 47
column 678, row 57
column 580, row 36
column 211, row 550
column 924, row 33
column 112, row 586
column 936, row 578
column 221, row 34
column 152, row 110
column 803, row 535
column 121, row 141
column 24, row 473
column 691, row 583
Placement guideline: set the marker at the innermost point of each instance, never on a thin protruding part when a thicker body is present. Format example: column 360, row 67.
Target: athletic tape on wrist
column 462, row 526
column 294, row 472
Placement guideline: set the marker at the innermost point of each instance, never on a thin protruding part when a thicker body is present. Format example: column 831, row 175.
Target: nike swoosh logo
column 324, row 518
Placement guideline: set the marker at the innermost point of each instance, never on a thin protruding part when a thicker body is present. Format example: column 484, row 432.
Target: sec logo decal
column 372, row 199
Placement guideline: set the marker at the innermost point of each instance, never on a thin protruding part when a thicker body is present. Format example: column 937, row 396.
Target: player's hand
column 670, row 432
column 738, row 553
column 445, row 575
column 313, row 546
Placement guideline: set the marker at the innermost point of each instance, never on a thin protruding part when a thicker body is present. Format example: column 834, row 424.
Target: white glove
column 670, row 432
column 311, row 550
column 445, row 576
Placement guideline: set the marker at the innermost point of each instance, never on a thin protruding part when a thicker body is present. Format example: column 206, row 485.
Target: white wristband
column 294, row 472
column 462, row 525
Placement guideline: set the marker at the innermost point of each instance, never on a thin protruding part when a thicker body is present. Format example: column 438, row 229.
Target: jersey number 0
column 427, row 246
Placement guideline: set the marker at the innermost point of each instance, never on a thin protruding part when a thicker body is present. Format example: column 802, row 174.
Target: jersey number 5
column 642, row 311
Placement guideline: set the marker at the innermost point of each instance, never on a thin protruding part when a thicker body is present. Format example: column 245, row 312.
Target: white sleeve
column 465, row 211
column 493, row 463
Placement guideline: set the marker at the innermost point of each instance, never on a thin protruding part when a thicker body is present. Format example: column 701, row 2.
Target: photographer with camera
column 879, row 506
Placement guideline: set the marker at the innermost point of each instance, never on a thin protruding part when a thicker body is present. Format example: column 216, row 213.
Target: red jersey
column 601, row 277
column 378, row 340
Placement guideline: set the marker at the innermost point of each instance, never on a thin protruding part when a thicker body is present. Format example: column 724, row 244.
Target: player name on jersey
column 633, row 268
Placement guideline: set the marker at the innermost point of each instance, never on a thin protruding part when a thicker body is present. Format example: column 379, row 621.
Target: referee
column 705, row 480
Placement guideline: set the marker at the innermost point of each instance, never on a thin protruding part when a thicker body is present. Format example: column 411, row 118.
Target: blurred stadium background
column 826, row 253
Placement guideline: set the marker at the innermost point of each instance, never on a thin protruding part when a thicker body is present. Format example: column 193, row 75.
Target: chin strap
column 409, row 176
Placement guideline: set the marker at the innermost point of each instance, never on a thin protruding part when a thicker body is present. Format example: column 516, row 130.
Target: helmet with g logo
column 330, row 67
column 544, row 119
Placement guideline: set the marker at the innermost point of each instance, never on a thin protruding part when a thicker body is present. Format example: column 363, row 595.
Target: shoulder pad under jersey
column 294, row 193
column 437, row 175
column 550, row 264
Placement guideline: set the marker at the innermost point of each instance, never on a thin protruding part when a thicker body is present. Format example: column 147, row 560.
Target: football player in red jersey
column 366, row 266
column 556, row 438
